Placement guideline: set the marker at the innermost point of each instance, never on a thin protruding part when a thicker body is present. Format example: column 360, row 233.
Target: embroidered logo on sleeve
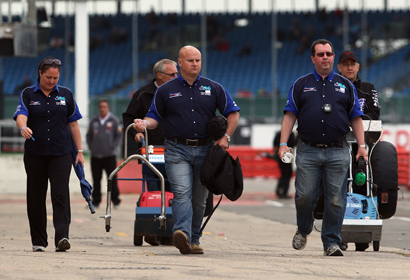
column 362, row 103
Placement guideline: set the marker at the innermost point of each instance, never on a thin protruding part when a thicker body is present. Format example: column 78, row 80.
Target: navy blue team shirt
column 187, row 109
column 306, row 99
column 48, row 118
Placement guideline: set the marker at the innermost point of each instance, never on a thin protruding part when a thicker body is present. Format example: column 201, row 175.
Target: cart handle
column 126, row 141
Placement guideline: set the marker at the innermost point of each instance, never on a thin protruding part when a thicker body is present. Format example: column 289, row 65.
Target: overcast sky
column 167, row 6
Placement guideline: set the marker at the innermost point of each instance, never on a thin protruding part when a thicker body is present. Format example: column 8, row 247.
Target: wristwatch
column 362, row 146
column 228, row 137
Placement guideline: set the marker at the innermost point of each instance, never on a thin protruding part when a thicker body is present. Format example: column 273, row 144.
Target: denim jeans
column 183, row 165
column 331, row 164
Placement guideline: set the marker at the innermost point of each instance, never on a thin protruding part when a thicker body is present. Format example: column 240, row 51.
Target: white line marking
column 274, row 203
column 401, row 219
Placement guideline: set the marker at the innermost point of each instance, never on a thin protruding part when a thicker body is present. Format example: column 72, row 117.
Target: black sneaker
column 333, row 251
column 63, row 245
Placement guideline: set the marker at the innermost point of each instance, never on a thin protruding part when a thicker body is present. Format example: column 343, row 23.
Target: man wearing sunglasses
column 164, row 70
column 324, row 103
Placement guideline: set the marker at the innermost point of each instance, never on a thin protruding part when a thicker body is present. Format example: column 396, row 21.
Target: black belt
column 190, row 142
column 338, row 143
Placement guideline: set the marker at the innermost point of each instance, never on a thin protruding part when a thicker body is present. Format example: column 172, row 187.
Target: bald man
column 186, row 105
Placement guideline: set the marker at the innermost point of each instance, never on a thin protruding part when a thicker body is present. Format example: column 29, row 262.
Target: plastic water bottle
column 288, row 157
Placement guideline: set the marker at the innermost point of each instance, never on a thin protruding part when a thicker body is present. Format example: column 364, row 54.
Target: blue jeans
column 183, row 165
column 312, row 163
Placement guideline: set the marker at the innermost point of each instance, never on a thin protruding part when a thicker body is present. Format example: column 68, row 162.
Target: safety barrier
column 255, row 162
column 403, row 167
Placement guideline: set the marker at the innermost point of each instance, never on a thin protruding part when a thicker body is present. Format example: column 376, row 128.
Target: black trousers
column 97, row 166
column 284, row 180
column 40, row 170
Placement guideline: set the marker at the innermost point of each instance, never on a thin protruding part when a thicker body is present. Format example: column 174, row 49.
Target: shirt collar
column 103, row 120
column 318, row 77
column 37, row 87
column 184, row 82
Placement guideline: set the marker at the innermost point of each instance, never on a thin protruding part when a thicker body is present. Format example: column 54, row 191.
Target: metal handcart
column 149, row 221
column 362, row 223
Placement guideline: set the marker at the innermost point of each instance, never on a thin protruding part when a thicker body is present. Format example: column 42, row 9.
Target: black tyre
column 137, row 239
column 362, row 246
column 376, row 245
column 385, row 176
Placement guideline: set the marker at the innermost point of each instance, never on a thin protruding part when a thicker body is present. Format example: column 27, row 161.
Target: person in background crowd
column 186, row 105
column 324, row 103
column 103, row 136
column 46, row 116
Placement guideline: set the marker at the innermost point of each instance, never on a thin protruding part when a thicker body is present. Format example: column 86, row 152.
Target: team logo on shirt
column 307, row 89
column 60, row 100
column 172, row 95
column 362, row 103
column 340, row 87
column 35, row 103
column 205, row 90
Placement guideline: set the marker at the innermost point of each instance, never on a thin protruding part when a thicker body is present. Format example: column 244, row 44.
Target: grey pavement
column 236, row 247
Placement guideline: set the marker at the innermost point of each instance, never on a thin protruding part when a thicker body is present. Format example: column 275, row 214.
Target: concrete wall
column 13, row 175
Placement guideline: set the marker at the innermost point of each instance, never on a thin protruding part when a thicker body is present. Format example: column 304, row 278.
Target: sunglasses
column 50, row 61
column 322, row 54
column 171, row 74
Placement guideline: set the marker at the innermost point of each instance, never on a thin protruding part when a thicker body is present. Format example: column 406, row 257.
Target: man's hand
column 361, row 152
column 223, row 142
column 283, row 149
column 138, row 137
column 139, row 125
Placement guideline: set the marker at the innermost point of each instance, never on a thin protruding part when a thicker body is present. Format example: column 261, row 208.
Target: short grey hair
column 160, row 65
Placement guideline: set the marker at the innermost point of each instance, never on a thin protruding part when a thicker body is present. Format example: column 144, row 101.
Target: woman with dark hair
column 47, row 115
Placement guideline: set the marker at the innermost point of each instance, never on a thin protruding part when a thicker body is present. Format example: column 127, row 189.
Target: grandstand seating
column 111, row 64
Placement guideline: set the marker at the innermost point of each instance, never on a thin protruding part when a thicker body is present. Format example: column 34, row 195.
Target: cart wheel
column 376, row 245
column 137, row 239
column 362, row 246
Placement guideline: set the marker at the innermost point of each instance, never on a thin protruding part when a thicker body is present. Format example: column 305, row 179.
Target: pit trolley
column 149, row 221
column 372, row 190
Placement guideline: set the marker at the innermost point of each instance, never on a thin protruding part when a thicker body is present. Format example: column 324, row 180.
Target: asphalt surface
column 237, row 246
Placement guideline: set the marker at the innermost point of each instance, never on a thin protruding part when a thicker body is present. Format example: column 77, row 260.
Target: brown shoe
column 181, row 242
column 152, row 240
column 196, row 249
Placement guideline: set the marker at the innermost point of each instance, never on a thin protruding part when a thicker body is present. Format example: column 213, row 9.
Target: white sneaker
column 39, row 248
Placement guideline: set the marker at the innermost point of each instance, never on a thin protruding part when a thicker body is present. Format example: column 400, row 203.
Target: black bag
column 222, row 175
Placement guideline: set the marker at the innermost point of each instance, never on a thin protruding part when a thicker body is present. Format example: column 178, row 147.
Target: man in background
column 369, row 103
column 349, row 67
column 164, row 70
column 103, row 136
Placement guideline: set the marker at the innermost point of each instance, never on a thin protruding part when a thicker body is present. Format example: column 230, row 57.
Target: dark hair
column 103, row 100
column 322, row 42
column 42, row 66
